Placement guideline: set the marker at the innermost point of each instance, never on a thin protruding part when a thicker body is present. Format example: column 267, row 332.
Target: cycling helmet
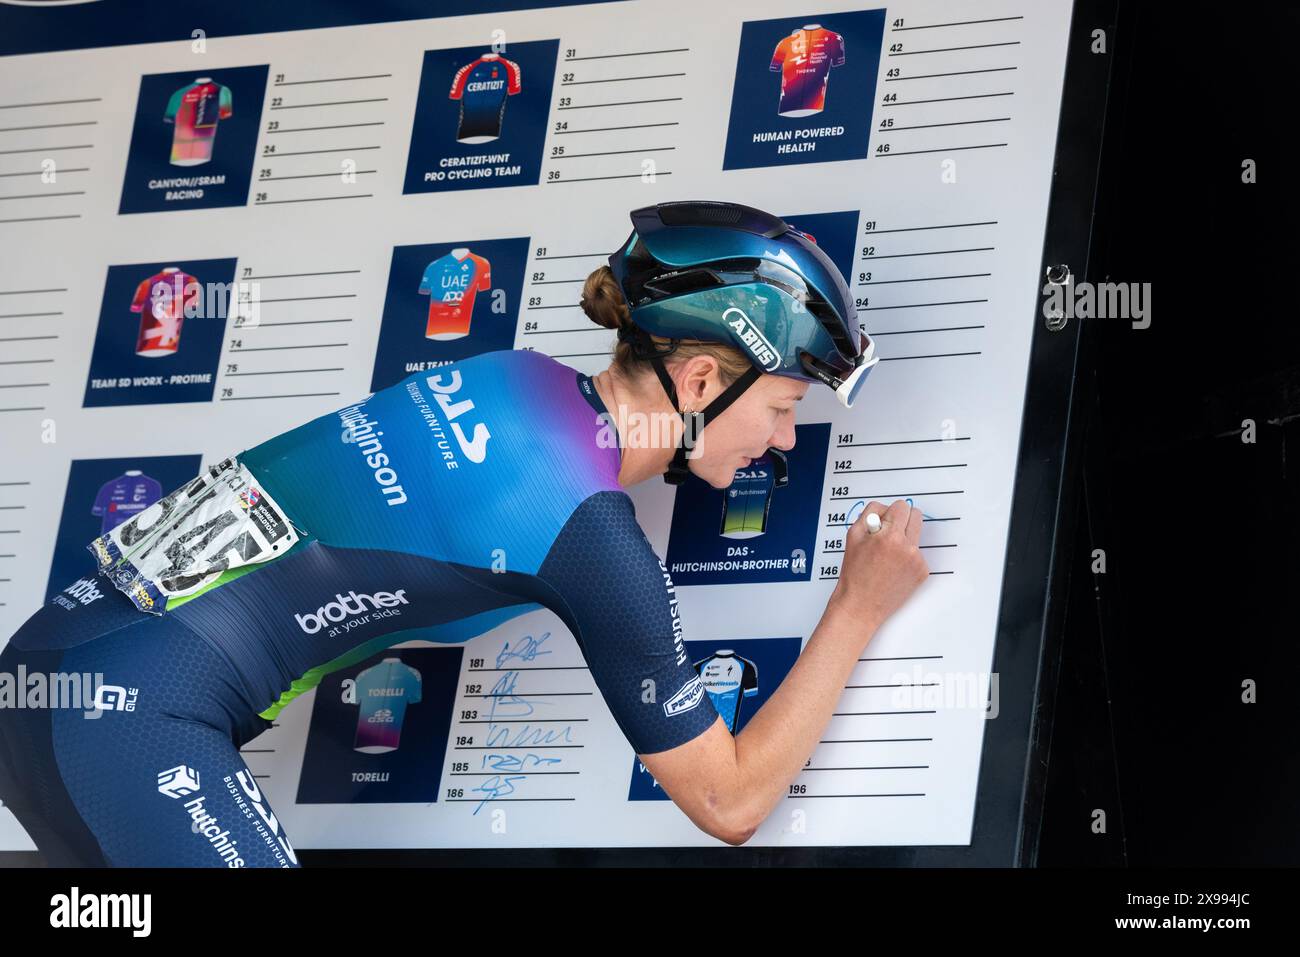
column 727, row 273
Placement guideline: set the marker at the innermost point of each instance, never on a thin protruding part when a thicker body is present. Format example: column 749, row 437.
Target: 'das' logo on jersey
column 753, row 340
column 254, row 794
column 475, row 449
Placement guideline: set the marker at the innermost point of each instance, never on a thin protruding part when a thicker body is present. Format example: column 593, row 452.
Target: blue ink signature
column 495, row 787
column 527, row 651
column 513, row 762
column 505, row 702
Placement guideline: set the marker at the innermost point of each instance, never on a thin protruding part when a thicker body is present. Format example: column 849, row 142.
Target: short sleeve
column 778, row 57
column 174, row 105
column 458, row 81
column 614, row 594
column 101, row 500
column 141, row 294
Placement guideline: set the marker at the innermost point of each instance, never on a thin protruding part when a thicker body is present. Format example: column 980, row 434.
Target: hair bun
column 602, row 300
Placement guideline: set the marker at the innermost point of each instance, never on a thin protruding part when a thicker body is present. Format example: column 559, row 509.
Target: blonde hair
column 604, row 303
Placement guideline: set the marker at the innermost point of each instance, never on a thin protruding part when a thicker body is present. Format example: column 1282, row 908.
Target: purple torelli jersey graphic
column 383, row 692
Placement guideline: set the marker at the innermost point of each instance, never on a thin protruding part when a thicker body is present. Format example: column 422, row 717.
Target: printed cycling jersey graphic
column 124, row 497
column 728, row 679
column 451, row 282
column 161, row 301
column 383, row 692
column 482, row 87
column 195, row 110
column 748, row 499
column 804, row 60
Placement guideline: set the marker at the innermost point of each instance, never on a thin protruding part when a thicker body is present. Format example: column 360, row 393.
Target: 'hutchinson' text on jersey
column 362, row 431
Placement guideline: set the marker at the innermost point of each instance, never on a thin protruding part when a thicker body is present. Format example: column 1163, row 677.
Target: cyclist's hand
column 881, row 570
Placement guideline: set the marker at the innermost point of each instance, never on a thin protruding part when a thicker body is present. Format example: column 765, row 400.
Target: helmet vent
column 699, row 214
column 831, row 323
column 680, row 283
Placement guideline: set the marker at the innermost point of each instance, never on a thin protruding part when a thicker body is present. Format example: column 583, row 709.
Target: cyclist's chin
column 717, row 474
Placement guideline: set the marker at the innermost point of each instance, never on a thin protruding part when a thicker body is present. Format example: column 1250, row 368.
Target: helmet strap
column 694, row 422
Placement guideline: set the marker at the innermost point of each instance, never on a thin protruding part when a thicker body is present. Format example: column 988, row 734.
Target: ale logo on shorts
column 115, row 698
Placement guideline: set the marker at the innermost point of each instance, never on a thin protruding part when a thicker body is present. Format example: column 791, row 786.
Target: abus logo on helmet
column 346, row 605
column 753, row 340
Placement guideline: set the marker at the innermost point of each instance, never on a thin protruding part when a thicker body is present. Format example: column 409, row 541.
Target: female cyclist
column 439, row 508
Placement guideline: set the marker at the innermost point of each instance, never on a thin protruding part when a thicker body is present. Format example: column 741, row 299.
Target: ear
column 700, row 373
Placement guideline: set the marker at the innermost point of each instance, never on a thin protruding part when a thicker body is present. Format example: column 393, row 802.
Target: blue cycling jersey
column 436, row 509
column 383, row 692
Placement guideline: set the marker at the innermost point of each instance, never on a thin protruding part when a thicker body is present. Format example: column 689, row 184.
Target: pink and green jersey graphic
column 195, row 111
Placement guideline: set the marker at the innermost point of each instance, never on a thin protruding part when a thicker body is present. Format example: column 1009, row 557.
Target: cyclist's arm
column 615, row 596
column 728, row 786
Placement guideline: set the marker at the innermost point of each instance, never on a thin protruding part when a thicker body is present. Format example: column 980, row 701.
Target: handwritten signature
column 507, row 703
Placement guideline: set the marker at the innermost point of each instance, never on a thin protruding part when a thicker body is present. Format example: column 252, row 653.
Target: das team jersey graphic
column 452, row 282
column 482, row 88
column 747, row 501
column 161, row 301
column 804, row 60
column 124, row 497
column 383, row 692
column 728, row 679
column 195, row 111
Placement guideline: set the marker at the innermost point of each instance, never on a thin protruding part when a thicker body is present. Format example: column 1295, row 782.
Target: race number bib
column 221, row 520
